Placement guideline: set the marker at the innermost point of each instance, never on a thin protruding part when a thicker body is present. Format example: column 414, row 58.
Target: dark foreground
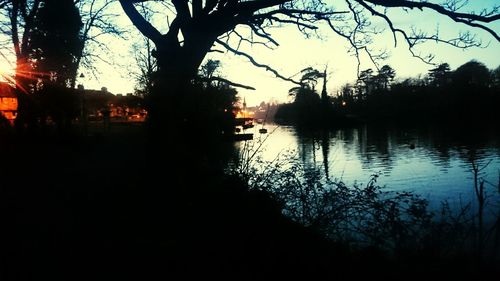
column 103, row 207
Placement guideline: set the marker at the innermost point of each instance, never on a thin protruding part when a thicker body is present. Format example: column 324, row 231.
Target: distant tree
column 385, row 75
column 496, row 77
column 209, row 68
column 347, row 92
column 472, row 74
column 440, row 76
column 306, row 107
column 146, row 67
column 365, row 82
column 308, row 82
column 325, row 99
column 99, row 20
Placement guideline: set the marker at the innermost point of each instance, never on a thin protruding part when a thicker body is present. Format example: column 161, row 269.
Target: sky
column 297, row 52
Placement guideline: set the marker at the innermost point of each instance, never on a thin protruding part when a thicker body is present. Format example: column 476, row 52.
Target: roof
column 6, row 91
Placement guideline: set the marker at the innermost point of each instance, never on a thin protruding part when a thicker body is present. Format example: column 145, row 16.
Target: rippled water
column 434, row 162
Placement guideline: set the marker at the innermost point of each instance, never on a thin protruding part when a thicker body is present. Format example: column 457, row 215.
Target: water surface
column 433, row 161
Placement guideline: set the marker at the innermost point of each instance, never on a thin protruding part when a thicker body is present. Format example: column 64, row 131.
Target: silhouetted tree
column 18, row 22
column 385, row 75
column 306, row 92
column 472, row 73
column 347, row 92
column 55, row 42
column 307, row 107
column 55, row 45
column 496, row 77
column 205, row 23
column 440, row 76
column 146, row 67
column 453, row 97
column 365, row 83
column 99, row 20
column 208, row 69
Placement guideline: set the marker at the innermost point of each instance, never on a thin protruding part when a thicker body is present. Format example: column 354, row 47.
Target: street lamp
column 83, row 113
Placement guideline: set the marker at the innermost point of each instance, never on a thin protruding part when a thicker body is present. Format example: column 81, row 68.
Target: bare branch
column 220, row 79
column 464, row 40
column 146, row 28
column 250, row 41
column 263, row 34
column 470, row 19
column 252, row 60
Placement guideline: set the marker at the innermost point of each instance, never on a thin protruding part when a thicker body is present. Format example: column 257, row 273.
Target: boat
column 242, row 137
column 264, row 130
column 238, row 137
column 248, row 124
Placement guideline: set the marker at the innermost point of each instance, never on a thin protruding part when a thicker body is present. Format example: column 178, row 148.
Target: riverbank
column 101, row 207
column 98, row 208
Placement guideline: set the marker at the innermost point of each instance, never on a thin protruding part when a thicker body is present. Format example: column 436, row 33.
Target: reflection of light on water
column 437, row 171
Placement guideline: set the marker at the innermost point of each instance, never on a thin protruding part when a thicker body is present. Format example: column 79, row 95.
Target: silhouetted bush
column 396, row 225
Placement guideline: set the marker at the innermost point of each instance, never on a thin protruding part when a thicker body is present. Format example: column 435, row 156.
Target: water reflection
column 432, row 161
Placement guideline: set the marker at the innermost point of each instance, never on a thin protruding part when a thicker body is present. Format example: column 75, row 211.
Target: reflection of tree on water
column 309, row 144
column 378, row 150
column 325, row 148
column 412, row 156
column 306, row 150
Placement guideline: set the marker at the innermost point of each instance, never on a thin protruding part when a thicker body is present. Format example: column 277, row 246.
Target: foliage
column 55, row 41
column 147, row 67
column 467, row 93
column 209, row 68
column 440, row 76
column 361, row 216
column 358, row 215
column 472, row 74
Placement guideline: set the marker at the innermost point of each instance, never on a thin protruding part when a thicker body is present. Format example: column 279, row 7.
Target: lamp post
column 83, row 111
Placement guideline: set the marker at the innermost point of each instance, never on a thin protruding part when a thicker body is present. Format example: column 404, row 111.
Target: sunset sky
column 296, row 52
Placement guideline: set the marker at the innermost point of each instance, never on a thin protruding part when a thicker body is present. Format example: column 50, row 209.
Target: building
column 119, row 107
column 8, row 102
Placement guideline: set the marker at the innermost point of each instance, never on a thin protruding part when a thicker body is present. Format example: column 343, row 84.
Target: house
column 119, row 107
column 8, row 102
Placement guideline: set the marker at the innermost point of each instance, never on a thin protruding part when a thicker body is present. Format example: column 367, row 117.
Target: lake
column 433, row 161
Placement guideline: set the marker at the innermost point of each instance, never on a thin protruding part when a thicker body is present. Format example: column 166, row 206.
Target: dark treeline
column 469, row 93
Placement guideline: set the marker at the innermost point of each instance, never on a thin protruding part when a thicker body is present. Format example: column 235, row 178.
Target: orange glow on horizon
column 244, row 114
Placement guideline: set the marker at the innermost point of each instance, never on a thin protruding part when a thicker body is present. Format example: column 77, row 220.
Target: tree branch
column 252, row 60
column 469, row 19
column 139, row 22
column 255, row 5
column 220, row 79
column 464, row 40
